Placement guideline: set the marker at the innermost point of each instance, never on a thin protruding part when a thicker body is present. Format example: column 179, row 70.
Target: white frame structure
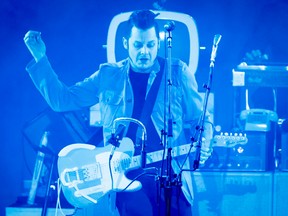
column 163, row 15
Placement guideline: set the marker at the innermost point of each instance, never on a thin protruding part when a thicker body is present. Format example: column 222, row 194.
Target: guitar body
column 85, row 175
column 84, row 169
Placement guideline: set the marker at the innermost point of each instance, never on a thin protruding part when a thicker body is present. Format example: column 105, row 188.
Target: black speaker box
column 255, row 155
column 233, row 193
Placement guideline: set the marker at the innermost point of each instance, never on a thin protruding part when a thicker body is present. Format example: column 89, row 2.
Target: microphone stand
column 48, row 187
column 168, row 182
column 200, row 127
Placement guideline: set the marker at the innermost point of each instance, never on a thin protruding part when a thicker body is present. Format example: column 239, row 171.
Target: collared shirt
column 110, row 86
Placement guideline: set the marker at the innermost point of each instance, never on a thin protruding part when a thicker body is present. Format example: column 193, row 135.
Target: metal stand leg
column 47, row 194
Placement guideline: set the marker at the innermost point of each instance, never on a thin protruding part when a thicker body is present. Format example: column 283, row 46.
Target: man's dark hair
column 142, row 19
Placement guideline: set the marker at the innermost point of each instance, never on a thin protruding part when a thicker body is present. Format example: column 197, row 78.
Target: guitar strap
column 151, row 97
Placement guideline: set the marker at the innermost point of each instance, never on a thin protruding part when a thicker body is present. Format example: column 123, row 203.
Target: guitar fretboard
column 158, row 155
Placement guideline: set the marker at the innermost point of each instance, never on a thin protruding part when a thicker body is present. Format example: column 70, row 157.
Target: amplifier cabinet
column 233, row 193
column 255, row 155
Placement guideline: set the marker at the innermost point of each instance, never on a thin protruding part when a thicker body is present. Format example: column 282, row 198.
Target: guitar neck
column 157, row 156
column 223, row 140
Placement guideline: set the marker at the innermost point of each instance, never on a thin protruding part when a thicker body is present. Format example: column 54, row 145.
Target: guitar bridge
column 70, row 177
column 74, row 176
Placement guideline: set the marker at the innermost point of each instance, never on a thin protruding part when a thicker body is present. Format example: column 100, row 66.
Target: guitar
column 84, row 169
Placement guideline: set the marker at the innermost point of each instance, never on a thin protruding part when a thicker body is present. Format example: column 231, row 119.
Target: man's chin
column 144, row 68
column 140, row 66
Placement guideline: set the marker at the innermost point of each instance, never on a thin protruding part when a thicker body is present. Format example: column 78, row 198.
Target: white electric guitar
column 84, row 169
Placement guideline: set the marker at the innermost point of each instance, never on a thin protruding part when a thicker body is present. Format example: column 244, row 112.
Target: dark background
column 74, row 32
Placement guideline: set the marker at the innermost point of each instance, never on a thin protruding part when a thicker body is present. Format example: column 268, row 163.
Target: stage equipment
column 168, row 180
column 258, row 119
column 266, row 79
column 259, row 100
column 53, row 131
column 260, row 75
column 254, row 155
column 258, row 153
column 83, row 169
column 38, row 168
column 200, row 128
column 234, row 193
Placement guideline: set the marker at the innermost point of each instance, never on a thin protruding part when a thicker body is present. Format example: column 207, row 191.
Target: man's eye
column 138, row 45
column 150, row 45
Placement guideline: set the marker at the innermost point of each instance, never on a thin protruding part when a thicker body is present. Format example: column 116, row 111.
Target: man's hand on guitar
column 206, row 151
column 205, row 155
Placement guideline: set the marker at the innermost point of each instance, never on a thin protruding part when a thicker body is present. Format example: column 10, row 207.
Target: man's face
column 142, row 48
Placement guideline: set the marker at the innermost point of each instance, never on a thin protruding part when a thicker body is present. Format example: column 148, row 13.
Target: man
column 123, row 90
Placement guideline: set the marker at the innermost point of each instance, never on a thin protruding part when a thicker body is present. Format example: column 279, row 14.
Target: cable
column 138, row 176
column 58, row 203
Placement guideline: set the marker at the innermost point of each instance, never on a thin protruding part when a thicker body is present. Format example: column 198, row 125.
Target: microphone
column 169, row 26
column 216, row 41
column 115, row 138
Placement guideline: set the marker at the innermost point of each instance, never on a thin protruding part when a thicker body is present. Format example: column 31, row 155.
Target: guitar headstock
column 229, row 140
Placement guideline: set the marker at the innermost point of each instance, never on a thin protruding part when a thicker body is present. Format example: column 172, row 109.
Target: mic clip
column 170, row 26
column 114, row 140
column 216, row 41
